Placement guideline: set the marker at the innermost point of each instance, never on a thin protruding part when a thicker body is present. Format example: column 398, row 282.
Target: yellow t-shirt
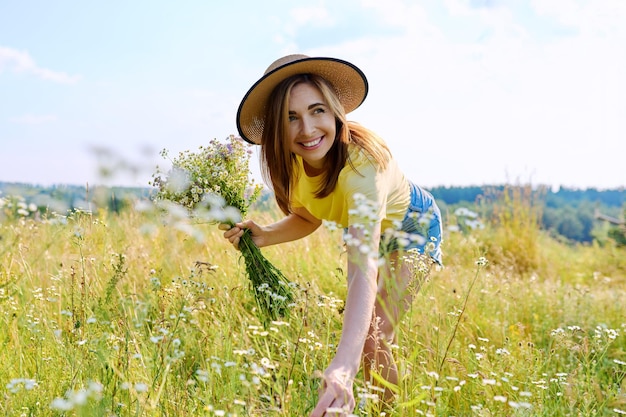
column 388, row 189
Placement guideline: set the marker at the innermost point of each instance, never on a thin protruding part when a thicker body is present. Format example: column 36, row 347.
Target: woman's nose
column 307, row 127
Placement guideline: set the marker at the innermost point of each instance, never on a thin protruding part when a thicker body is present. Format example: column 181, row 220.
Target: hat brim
column 348, row 81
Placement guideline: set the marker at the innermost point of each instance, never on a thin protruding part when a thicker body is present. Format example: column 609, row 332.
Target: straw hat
column 348, row 81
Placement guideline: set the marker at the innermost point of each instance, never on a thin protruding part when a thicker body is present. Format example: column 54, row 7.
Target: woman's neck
column 311, row 171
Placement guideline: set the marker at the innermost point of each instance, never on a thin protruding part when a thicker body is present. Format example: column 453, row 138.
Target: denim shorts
column 421, row 228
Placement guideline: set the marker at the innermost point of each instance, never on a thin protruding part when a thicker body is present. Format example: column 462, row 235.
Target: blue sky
column 466, row 92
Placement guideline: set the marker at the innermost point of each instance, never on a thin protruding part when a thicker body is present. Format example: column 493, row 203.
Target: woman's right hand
column 234, row 233
column 294, row 226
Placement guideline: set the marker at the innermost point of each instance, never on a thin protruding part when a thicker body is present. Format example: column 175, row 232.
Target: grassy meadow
column 140, row 314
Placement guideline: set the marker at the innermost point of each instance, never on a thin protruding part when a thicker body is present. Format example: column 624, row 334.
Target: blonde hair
column 278, row 163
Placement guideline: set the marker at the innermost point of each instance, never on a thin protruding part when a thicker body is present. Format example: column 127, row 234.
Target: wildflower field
column 137, row 314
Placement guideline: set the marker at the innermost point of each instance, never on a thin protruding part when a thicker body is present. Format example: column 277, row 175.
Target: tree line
column 569, row 213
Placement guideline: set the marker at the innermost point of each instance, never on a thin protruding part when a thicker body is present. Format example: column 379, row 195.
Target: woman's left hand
column 337, row 396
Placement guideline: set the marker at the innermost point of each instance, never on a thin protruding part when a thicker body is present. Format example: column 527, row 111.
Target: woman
column 322, row 167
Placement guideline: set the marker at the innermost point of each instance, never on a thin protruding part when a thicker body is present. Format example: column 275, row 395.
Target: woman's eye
column 292, row 118
column 318, row 110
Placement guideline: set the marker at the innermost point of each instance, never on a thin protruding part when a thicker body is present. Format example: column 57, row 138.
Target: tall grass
column 129, row 315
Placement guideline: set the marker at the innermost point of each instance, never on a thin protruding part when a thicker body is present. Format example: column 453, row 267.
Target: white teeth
column 312, row 143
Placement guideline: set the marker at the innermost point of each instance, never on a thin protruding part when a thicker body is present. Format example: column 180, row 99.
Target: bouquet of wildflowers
column 214, row 184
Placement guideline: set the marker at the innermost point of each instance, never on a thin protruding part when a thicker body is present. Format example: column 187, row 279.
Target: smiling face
column 312, row 128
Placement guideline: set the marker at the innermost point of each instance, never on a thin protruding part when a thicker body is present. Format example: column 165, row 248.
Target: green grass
column 131, row 315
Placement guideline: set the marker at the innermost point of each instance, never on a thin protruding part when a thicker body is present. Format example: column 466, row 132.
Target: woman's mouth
column 312, row 144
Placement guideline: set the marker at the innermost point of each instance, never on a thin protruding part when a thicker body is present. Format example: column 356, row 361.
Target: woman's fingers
column 335, row 400
column 323, row 404
column 232, row 234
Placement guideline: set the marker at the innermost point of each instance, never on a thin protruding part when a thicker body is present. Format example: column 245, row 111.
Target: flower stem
column 271, row 289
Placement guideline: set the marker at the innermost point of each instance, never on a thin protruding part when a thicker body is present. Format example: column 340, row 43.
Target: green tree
column 570, row 226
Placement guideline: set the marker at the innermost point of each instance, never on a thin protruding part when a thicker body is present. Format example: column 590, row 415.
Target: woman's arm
column 294, row 226
column 359, row 309
column 362, row 275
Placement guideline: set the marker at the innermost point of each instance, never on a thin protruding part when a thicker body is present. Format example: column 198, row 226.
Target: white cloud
column 21, row 61
column 297, row 19
column 314, row 15
column 598, row 18
column 32, row 119
column 399, row 13
column 502, row 106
